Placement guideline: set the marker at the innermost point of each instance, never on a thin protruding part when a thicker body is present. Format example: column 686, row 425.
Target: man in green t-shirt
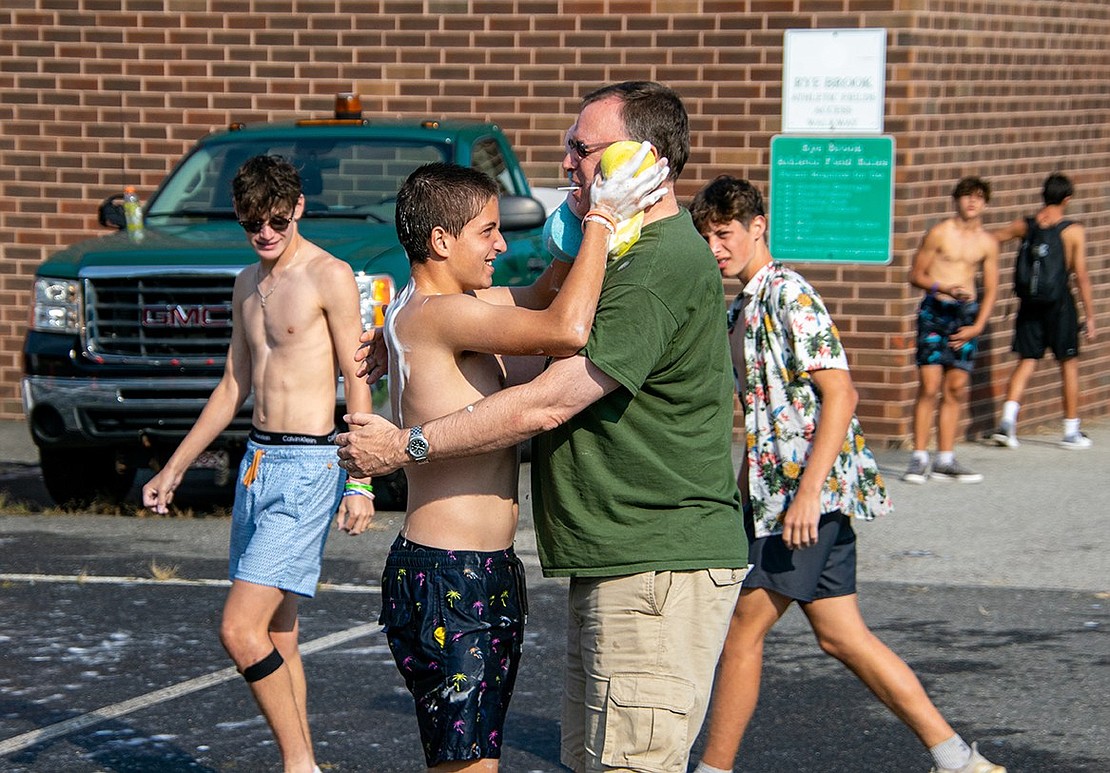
column 635, row 498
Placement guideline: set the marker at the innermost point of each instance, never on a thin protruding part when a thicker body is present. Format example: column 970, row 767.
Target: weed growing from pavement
column 161, row 572
column 11, row 506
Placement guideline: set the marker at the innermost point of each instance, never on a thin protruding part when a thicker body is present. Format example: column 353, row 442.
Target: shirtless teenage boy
column 293, row 312
column 951, row 317
column 453, row 601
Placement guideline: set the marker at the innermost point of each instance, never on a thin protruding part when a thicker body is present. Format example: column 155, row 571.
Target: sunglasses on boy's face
column 277, row 223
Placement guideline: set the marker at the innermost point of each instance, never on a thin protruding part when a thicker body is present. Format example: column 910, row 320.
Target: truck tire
column 75, row 478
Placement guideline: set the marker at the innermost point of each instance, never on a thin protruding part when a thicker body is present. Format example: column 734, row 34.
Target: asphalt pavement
column 995, row 593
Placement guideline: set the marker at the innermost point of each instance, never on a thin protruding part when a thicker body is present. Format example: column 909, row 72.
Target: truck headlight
column 375, row 292
column 57, row 306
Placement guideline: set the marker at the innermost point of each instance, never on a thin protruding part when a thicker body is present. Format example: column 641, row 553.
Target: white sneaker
column 1078, row 441
column 977, row 764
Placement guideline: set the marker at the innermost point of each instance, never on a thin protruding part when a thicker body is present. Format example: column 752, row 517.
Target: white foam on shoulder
column 398, row 363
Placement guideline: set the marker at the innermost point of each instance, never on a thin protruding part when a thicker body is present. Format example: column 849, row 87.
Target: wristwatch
column 417, row 449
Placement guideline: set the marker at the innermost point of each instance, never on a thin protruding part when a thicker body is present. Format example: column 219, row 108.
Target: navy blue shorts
column 454, row 620
column 825, row 570
column 937, row 320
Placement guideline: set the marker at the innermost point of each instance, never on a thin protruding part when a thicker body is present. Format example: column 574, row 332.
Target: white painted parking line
column 92, row 579
column 50, row 732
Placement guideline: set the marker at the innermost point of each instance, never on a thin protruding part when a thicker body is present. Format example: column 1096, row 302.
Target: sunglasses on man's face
column 581, row 149
column 277, row 223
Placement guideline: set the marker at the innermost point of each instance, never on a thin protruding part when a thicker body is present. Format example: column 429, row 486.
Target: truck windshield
column 339, row 178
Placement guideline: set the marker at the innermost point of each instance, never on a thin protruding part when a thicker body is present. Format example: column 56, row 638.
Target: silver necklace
column 258, row 278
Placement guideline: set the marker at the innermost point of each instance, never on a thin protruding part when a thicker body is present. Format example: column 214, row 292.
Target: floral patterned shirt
column 788, row 334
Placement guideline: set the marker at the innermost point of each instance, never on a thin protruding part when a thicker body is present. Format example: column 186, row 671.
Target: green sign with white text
column 832, row 198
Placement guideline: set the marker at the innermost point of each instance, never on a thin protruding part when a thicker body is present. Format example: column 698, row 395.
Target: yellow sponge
column 628, row 231
column 621, row 152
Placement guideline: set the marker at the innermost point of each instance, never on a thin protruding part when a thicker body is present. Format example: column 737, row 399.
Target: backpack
column 1041, row 268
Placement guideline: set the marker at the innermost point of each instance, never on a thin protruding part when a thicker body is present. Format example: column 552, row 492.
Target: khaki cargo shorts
column 642, row 651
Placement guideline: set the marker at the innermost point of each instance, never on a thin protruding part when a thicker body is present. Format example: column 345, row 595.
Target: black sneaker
column 955, row 471
column 1004, row 437
column 917, row 472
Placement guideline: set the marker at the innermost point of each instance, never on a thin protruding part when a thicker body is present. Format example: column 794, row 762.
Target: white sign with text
column 833, row 81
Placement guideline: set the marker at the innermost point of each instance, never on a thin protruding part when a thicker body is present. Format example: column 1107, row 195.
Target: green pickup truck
column 130, row 330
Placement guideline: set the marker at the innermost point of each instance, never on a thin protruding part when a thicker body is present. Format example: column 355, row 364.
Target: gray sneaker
column 955, row 471
column 977, row 764
column 1004, row 437
column 1078, row 441
column 917, row 472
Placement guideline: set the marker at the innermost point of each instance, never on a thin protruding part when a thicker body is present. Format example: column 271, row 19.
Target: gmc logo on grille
column 214, row 316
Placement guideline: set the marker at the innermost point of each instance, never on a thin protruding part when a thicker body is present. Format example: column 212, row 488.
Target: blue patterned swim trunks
column 286, row 495
column 937, row 320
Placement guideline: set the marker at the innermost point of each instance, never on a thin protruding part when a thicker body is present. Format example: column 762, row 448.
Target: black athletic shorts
column 824, row 570
column 1040, row 326
column 454, row 620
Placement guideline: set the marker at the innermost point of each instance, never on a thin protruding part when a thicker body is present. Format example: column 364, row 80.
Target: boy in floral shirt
column 807, row 472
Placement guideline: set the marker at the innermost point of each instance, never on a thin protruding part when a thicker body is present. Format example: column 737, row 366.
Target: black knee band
column 264, row 667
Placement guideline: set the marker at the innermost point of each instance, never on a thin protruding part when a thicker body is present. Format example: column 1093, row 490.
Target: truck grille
column 184, row 318
column 168, row 419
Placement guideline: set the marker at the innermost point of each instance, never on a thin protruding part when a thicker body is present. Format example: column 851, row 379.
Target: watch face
column 418, row 446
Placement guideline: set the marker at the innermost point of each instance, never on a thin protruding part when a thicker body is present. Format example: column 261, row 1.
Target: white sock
column 945, row 458
column 1071, row 427
column 1009, row 414
column 921, row 456
column 952, row 754
column 703, row 768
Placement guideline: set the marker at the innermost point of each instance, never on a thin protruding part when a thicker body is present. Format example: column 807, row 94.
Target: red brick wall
column 95, row 94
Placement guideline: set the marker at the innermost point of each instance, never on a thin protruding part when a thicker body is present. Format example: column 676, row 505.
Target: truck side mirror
column 111, row 212
column 519, row 213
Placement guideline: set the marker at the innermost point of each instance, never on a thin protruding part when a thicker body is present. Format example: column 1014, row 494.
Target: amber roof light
column 348, row 106
column 348, row 110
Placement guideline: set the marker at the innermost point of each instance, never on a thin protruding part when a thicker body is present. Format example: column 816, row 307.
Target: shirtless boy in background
column 951, row 317
column 294, row 311
column 453, row 602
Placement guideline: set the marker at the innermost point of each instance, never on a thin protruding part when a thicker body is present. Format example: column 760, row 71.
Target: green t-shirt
column 642, row 480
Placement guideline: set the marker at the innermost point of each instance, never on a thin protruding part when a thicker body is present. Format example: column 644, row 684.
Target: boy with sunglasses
column 296, row 316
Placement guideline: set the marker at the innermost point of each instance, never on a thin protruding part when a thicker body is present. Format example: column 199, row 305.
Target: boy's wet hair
column 724, row 200
column 439, row 194
column 653, row 112
column 969, row 185
column 1056, row 188
column 265, row 185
